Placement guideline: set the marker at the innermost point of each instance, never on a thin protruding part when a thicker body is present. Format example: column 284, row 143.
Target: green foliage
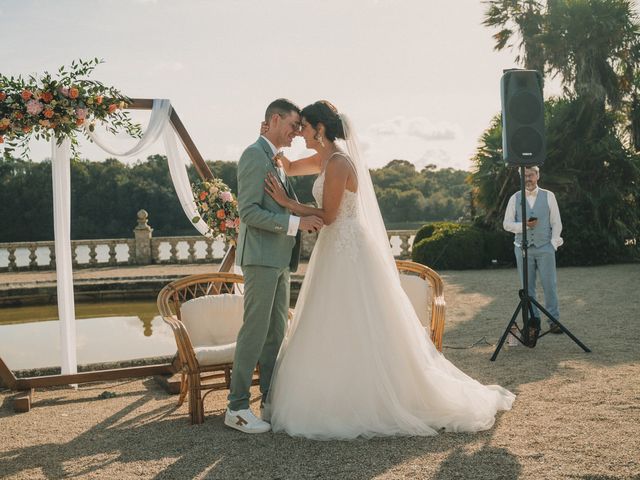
column 498, row 246
column 106, row 196
column 450, row 246
column 406, row 195
column 462, row 246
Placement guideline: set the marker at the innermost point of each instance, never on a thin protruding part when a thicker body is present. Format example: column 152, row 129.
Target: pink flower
column 34, row 107
column 236, row 222
column 64, row 91
column 230, row 223
column 226, row 196
column 82, row 112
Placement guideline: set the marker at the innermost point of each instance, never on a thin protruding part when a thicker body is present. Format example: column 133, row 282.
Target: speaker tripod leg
column 506, row 332
column 530, row 325
column 562, row 327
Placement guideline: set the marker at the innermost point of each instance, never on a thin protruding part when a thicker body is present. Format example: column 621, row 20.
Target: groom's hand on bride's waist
column 311, row 223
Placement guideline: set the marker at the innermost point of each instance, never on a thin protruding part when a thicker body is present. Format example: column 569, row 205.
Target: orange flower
column 1, row 139
column 2, row 96
column 48, row 113
column 79, row 121
column 112, row 107
column 220, row 214
column 74, row 92
column 223, row 227
column 18, row 115
column 203, row 195
column 47, row 97
column 99, row 99
column 26, row 95
column 26, row 129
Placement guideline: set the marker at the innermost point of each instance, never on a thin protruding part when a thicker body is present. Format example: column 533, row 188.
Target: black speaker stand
column 530, row 332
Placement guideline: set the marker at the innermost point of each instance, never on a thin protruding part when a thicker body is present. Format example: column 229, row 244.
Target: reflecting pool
column 106, row 332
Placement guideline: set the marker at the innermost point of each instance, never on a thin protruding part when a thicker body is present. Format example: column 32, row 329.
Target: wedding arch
column 36, row 106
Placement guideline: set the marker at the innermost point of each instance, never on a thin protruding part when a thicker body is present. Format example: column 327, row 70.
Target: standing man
column 268, row 249
column 543, row 239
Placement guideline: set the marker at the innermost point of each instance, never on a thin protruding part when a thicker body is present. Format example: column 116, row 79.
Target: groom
column 268, row 249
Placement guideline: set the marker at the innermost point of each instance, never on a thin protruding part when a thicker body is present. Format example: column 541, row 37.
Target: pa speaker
column 523, row 137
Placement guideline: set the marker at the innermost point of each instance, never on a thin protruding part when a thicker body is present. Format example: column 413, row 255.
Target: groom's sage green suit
column 266, row 254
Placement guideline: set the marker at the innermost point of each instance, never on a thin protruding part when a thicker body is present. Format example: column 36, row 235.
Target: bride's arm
column 335, row 183
column 304, row 166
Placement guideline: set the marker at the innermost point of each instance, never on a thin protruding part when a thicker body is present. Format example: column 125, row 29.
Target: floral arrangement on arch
column 217, row 207
column 62, row 106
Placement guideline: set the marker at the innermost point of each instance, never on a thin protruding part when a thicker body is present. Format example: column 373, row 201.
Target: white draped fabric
column 159, row 118
column 61, row 176
column 180, row 179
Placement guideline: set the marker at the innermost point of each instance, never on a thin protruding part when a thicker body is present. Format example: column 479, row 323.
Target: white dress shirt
column 294, row 221
column 510, row 224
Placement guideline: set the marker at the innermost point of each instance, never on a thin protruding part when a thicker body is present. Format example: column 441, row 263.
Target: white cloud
column 436, row 156
column 419, row 127
column 443, row 159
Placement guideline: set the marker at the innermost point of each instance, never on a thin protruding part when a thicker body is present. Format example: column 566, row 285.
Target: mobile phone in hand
column 532, row 219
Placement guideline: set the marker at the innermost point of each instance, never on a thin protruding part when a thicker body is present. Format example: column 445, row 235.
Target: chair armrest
column 183, row 343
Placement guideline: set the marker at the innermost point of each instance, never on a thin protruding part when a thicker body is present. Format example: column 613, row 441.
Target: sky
column 418, row 78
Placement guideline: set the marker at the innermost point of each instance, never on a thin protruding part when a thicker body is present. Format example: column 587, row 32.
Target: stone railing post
column 143, row 233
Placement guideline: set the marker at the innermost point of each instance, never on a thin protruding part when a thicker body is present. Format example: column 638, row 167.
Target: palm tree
column 594, row 46
column 492, row 182
column 524, row 18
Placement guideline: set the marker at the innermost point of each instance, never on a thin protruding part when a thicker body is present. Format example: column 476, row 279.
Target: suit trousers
column 541, row 260
column 266, row 308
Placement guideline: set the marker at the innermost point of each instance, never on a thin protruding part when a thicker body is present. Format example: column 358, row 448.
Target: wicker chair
column 434, row 322
column 197, row 381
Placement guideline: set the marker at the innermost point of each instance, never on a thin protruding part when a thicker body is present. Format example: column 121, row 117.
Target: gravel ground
column 577, row 415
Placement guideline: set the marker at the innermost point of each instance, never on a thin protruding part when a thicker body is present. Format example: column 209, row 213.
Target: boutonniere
column 276, row 159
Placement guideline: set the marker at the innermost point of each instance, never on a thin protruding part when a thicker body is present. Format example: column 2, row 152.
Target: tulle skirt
column 356, row 362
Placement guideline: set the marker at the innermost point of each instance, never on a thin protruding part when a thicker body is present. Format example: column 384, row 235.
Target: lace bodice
column 344, row 230
column 348, row 208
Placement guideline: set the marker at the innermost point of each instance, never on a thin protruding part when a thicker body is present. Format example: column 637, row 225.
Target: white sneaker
column 245, row 421
column 265, row 412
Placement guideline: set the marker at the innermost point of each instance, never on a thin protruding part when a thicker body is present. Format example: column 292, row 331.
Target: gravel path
column 577, row 415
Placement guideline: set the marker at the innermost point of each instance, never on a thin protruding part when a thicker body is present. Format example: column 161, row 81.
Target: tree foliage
column 106, row 196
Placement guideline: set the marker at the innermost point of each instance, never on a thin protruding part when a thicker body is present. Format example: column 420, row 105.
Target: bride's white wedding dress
column 356, row 361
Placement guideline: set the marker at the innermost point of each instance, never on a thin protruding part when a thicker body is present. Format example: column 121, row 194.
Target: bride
column 356, row 360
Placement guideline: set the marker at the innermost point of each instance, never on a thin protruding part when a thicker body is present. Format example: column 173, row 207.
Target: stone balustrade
column 145, row 249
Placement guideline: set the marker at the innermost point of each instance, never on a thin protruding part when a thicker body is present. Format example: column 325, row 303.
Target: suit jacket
column 263, row 238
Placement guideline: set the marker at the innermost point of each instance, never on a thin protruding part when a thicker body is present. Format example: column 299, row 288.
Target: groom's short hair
column 281, row 107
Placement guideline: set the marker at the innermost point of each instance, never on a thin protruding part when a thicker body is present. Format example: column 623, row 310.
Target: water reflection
column 115, row 331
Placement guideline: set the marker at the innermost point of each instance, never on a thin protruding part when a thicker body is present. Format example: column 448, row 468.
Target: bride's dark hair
column 326, row 113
